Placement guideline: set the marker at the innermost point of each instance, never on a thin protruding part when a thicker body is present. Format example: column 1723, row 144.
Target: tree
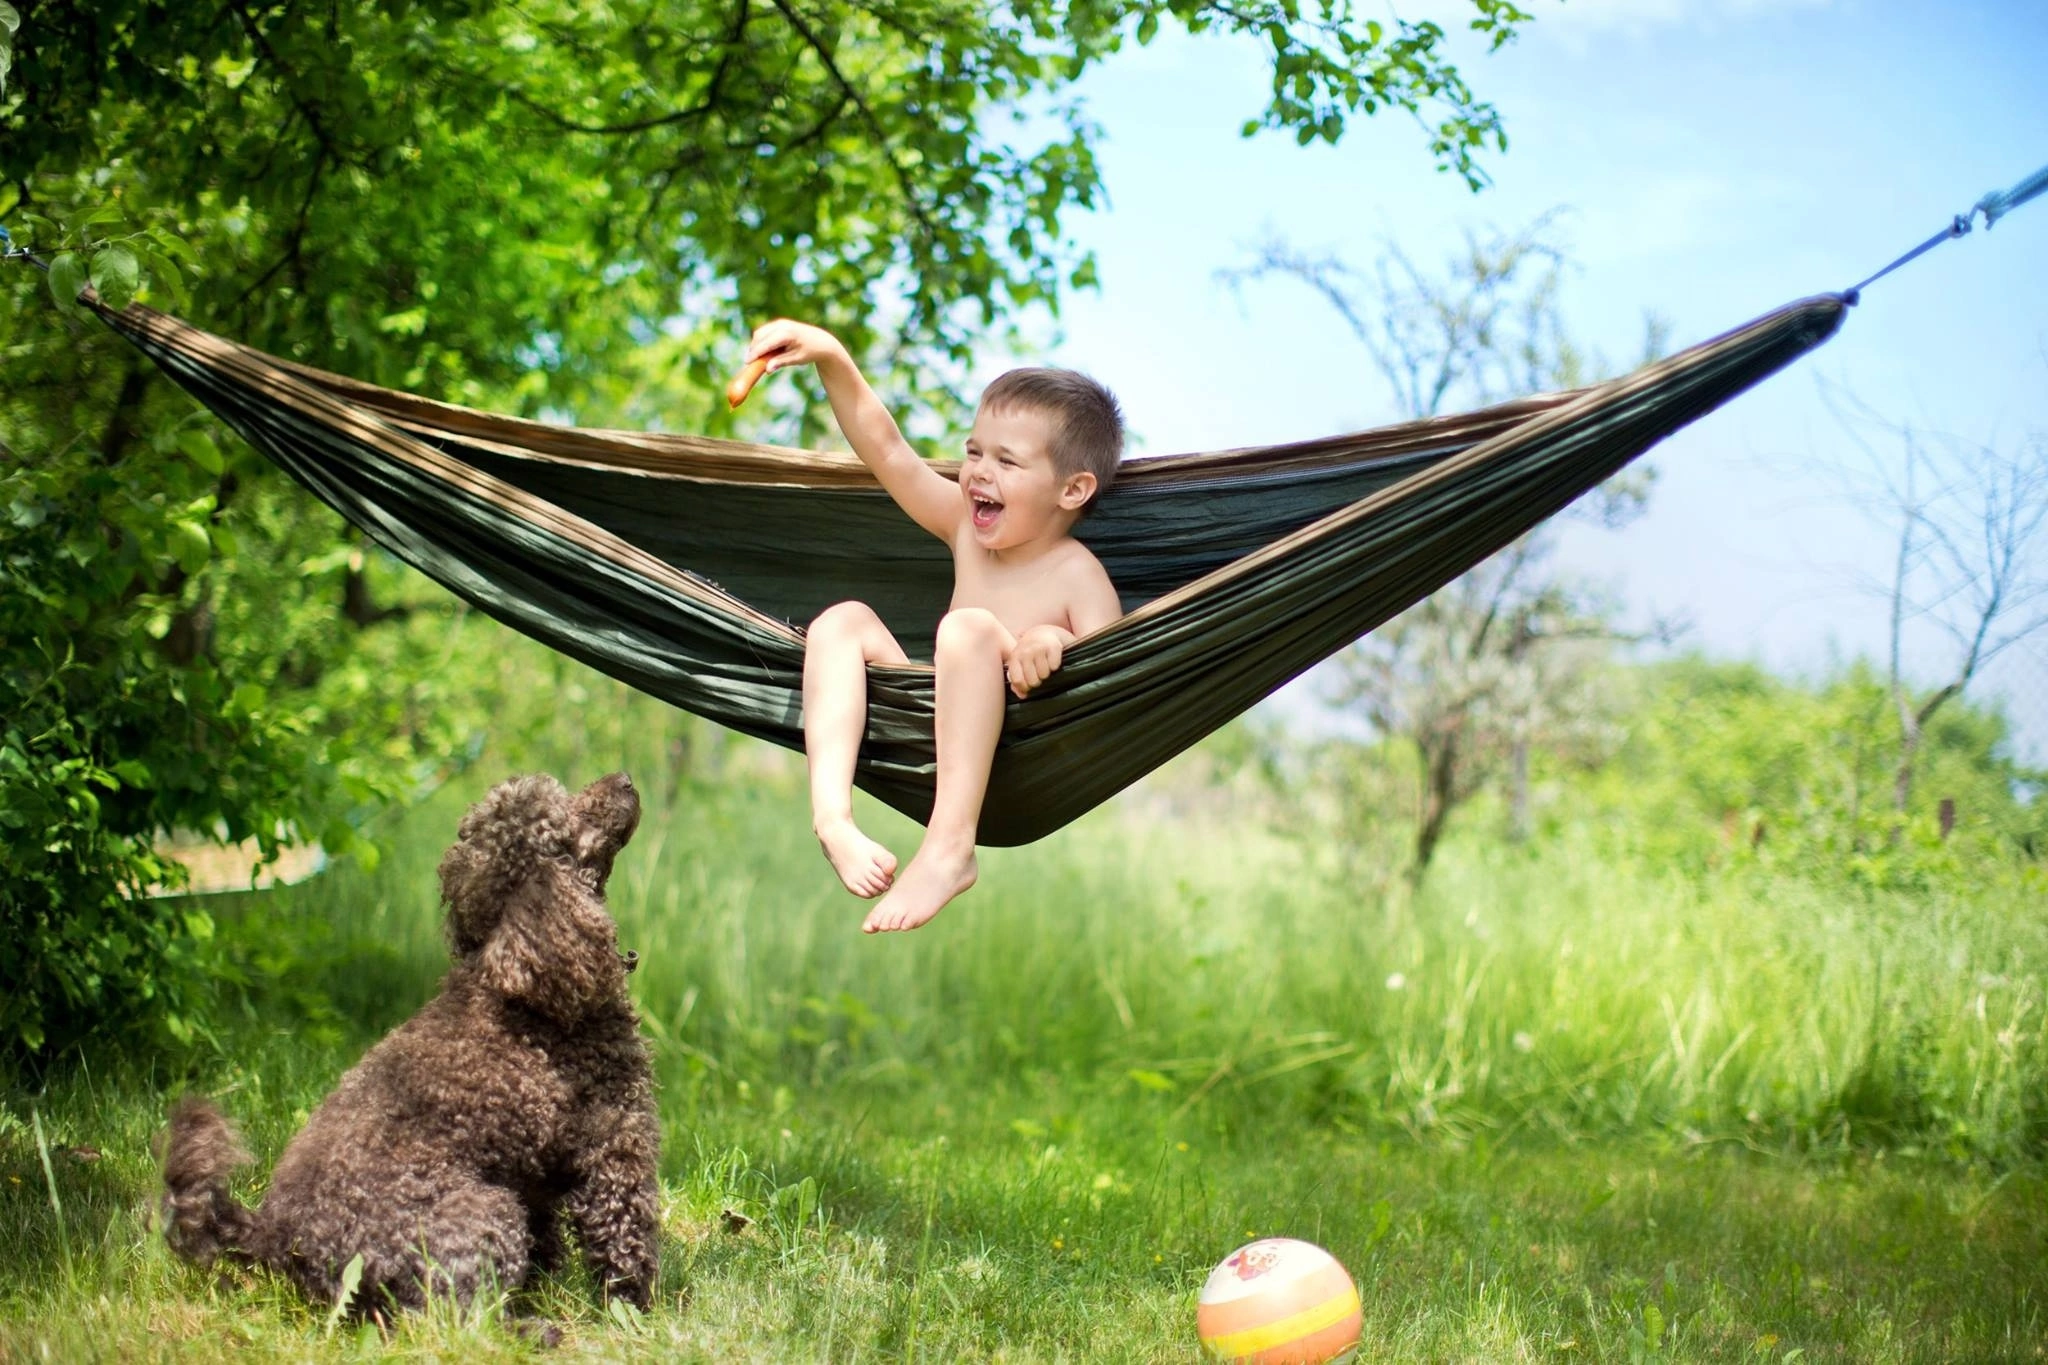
column 565, row 210
column 1506, row 656
column 1968, row 526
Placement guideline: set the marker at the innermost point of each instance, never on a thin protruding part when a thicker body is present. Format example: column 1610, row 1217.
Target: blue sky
column 1714, row 160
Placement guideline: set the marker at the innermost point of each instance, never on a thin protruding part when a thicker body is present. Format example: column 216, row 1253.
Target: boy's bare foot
column 934, row 877
column 864, row 866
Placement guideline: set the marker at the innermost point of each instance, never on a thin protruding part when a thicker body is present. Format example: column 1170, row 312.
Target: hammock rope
column 1994, row 206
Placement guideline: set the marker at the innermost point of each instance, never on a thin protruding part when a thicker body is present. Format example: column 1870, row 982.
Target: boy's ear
column 1076, row 491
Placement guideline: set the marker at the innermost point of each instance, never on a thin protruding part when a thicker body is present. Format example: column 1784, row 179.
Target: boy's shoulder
column 1076, row 557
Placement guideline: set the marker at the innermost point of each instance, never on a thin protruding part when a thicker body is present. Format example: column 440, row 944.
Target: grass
column 1559, row 1106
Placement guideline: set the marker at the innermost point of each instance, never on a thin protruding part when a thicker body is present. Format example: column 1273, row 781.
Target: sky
column 1711, row 160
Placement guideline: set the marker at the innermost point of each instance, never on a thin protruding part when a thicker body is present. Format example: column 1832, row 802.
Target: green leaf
column 351, row 1280
column 106, row 213
column 163, row 273
column 409, row 323
column 177, row 246
column 10, row 18
column 190, row 545
column 1150, row 1080
column 116, row 274
column 67, row 281
column 200, row 449
column 1382, row 1222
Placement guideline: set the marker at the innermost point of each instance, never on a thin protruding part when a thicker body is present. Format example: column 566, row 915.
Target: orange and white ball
column 1279, row 1302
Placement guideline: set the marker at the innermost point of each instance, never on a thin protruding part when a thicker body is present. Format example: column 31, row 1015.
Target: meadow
column 1560, row 1103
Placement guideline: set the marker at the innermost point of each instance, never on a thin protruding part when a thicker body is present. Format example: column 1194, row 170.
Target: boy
column 1045, row 445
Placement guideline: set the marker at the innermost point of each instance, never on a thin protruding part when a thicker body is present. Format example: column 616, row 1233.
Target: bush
column 1725, row 764
column 109, row 737
column 151, row 681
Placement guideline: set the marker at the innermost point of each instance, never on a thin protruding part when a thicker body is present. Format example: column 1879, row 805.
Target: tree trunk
column 1518, row 793
column 1902, row 781
column 1913, row 728
column 124, row 425
column 1440, row 773
column 190, row 637
column 356, row 603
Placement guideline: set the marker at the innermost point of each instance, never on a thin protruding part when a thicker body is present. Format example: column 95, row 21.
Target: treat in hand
column 743, row 382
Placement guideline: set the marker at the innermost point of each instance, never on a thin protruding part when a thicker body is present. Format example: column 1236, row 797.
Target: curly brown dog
column 450, row 1155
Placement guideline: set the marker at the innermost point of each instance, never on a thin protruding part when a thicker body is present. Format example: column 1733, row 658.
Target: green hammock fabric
column 686, row 566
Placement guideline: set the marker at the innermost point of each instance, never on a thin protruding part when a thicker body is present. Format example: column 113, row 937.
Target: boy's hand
column 1035, row 658
column 932, row 500
column 786, row 342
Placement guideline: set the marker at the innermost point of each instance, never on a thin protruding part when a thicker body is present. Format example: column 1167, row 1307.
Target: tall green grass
column 1562, row 1103
column 1210, row 973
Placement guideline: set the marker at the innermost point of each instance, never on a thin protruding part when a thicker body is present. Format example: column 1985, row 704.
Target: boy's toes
column 865, row 867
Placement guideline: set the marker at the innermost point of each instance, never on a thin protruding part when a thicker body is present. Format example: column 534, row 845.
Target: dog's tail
column 201, row 1219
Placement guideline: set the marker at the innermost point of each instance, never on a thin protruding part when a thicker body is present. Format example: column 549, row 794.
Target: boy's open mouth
column 984, row 511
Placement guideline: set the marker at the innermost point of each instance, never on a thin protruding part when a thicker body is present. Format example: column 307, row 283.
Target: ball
column 1279, row 1302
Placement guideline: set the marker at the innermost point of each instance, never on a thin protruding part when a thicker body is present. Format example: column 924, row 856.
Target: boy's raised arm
column 931, row 499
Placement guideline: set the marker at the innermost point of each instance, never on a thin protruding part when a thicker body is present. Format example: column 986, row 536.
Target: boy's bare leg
column 970, row 700
column 840, row 645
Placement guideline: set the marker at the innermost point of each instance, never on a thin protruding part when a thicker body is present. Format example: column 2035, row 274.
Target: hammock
column 684, row 566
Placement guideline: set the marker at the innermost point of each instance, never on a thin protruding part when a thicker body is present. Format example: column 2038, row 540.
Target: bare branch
column 1969, row 528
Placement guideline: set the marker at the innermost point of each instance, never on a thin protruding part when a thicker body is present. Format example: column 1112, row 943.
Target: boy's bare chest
column 1020, row 596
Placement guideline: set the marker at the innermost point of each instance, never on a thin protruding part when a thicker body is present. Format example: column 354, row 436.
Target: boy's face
column 1013, row 493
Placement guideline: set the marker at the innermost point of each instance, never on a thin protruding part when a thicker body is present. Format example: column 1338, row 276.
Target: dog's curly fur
column 520, row 1096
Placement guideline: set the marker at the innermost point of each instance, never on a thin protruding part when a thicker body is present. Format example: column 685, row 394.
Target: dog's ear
column 554, row 948
column 520, row 823
column 475, row 900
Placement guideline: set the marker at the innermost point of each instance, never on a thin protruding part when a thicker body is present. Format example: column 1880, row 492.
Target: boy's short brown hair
column 1087, row 423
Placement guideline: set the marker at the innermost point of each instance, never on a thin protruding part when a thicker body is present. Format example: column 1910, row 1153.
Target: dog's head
column 525, row 884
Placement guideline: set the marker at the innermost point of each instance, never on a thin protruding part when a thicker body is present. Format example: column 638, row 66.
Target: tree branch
column 307, row 110
column 867, row 113
column 293, row 254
